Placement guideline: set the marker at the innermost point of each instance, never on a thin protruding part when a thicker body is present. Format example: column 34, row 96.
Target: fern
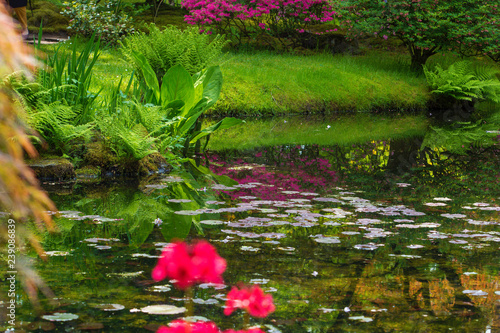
column 465, row 80
column 124, row 133
column 55, row 124
column 171, row 46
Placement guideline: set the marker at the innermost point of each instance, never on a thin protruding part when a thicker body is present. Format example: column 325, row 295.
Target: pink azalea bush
column 244, row 18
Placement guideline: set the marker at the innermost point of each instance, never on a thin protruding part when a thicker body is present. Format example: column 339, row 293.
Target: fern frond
column 464, row 80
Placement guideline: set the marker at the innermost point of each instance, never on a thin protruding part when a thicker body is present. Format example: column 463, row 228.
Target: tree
column 426, row 27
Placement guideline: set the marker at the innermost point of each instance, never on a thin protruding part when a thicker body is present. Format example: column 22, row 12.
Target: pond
column 377, row 236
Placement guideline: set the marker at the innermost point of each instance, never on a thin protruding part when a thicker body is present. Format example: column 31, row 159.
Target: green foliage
column 184, row 98
column 171, row 46
column 109, row 20
column 48, row 14
column 67, row 75
column 465, row 80
column 427, row 26
column 54, row 122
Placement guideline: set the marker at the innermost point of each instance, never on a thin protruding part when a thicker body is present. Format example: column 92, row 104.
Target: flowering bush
column 107, row 20
column 200, row 263
column 427, row 27
column 279, row 18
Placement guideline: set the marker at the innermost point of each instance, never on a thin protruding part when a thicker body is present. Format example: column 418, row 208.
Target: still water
column 371, row 237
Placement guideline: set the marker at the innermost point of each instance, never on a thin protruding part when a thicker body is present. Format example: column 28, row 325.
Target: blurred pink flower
column 181, row 326
column 253, row 300
column 190, row 265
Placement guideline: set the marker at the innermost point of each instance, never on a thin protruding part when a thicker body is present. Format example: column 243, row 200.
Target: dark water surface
column 375, row 237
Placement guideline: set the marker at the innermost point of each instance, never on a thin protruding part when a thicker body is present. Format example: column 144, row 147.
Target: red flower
column 175, row 263
column 260, row 304
column 210, row 265
column 253, row 300
column 189, row 265
column 181, row 326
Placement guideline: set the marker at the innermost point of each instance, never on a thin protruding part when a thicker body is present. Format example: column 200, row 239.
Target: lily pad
column 361, row 319
column 212, row 222
column 163, row 309
column 160, row 289
column 58, row 316
column 110, row 307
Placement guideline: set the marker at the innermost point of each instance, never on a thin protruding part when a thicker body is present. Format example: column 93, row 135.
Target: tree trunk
column 419, row 56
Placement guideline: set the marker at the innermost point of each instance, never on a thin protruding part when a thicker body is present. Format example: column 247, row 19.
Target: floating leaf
column 361, row 319
column 249, row 248
column 60, row 316
column 160, row 289
column 416, row 246
column 57, row 253
column 163, row 309
column 475, row 292
column 443, row 199
column 110, row 307
column 212, row 222
column 454, row 216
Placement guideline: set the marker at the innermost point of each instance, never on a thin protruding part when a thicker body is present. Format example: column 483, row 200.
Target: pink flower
column 209, row 264
column 385, row 37
column 252, row 330
column 253, row 300
column 181, row 326
column 189, row 265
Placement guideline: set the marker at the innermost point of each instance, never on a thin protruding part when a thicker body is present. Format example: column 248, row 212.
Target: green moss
column 52, row 169
column 88, row 173
column 49, row 15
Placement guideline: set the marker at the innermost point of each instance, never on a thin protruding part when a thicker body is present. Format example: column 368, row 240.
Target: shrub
column 108, row 20
column 278, row 18
column 166, row 48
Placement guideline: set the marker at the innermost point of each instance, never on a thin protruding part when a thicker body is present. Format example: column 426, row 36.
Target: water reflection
column 344, row 237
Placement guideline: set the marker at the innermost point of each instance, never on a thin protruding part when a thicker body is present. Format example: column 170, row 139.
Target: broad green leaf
column 178, row 85
column 148, row 73
column 212, row 85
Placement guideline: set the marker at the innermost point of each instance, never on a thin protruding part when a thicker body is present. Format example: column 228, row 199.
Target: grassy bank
column 320, row 130
column 263, row 83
